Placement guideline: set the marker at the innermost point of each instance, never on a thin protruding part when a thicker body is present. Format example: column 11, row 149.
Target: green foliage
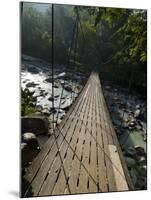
column 37, row 33
column 28, row 102
column 113, row 36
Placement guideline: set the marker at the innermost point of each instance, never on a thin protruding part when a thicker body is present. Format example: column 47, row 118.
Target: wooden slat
column 68, row 161
column 45, row 188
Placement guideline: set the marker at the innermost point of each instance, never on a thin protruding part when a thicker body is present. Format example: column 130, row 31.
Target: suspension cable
column 68, row 63
column 53, row 97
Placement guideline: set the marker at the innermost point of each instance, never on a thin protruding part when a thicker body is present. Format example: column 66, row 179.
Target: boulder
column 29, row 148
column 34, row 124
column 131, row 151
column 31, row 84
column 51, row 99
column 140, row 150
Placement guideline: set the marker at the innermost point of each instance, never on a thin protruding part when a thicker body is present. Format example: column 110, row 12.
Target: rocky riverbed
column 129, row 117
column 36, row 76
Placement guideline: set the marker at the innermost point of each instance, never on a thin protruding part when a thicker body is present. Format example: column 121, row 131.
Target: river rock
column 49, row 80
column 141, row 183
column 137, row 113
column 140, row 150
column 51, row 99
column 129, row 161
column 138, row 106
column 33, row 69
column 28, row 152
column 46, row 112
column 31, row 84
column 61, row 75
column 143, row 170
column 141, row 160
column 34, row 124
column 56, row 95
column 131, row 151
column 29, row 148
column 68, row 88
column 29, row 138
column 145, row 138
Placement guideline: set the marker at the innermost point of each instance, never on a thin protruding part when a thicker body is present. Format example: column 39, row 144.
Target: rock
column 137, row 113
column 31, row 84
column 49, row 80
column 138, row 127
column 141, row 160
column 131, row 151
column 140, row 150
column 143, row 170
column 53, row 110
column 56, row 96
column 141, row 183
column 34, row 124
column 46, row 112
column 115, row 98
column 29, row 148
column 125, row 125
column 131, row 124
column 138, row 106
column 51, row 99
column 107, row 87
column 129, row 161
column 27, row 137
column 61, row 75
column 130, row 128
column 145, row 138
column 68, row 88
column 33, row 69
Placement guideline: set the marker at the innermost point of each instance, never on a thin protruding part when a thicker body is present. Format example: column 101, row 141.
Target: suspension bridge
column 83, row 154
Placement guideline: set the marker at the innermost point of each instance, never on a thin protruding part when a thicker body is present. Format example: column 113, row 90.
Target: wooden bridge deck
column 83, row 155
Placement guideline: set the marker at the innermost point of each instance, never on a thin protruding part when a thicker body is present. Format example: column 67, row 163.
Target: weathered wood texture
column 83, row 155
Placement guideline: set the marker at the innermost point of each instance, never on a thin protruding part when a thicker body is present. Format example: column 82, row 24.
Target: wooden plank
column 102, row 172
column 109, row 167
column 120, row 179
column 93, row 187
